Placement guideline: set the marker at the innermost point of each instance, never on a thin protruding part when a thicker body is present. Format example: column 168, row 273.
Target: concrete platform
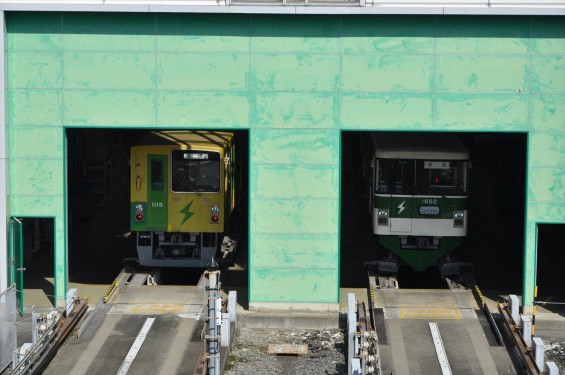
column 172, row 345
column 406, row 344
column 173, row 342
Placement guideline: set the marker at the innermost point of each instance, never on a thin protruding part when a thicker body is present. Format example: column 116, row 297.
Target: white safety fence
column 8, row 334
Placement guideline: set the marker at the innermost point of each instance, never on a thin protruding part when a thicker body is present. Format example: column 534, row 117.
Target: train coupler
column 450, row 267
column 389, row 265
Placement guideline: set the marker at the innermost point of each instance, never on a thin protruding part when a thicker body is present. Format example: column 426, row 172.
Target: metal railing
column 8, row 316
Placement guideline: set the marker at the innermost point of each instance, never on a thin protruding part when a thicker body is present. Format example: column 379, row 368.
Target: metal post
column 212, row 340
column 534, row 311
column 351, row 328
column 34, row 328
column 538, row 350
column 72, row 296
column 232, row 305
column 526, row 325
column 551, row 368
column 226, row 339
column 514, row 308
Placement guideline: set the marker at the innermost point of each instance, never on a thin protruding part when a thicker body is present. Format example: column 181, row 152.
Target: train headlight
column 458, row 219
column 382, row 216
column 139, row 213
column 215, row 214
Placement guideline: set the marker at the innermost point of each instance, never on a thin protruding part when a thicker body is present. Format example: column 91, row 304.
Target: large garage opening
column 488, row 225
column 102, row 238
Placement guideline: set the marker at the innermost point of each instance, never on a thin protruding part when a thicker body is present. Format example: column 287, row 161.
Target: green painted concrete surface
column 295, row 82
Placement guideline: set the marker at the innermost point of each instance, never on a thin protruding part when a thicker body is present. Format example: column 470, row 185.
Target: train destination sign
column 429, row 210
column 436, row 165
column 196, row 156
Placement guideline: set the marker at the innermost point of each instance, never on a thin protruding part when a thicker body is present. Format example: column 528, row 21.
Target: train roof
column 187, row 137
column 419, row 146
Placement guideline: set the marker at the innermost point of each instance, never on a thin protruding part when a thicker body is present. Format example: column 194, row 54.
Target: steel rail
column 38, row 357
column 513, row 331
column 202, row 363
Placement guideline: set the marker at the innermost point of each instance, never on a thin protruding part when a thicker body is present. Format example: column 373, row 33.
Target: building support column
column 3, row 163
column 530, row 267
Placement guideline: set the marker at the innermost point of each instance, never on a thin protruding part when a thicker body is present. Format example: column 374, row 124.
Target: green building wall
column 296, row 82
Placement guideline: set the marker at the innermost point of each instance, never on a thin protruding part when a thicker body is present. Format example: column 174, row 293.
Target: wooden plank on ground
column 299, row 350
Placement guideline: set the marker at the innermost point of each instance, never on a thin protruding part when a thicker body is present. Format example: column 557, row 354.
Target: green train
column 419, row 194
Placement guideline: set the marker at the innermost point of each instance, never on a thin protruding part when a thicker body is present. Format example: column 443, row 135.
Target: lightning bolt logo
column 401, row 207
column 186, row 212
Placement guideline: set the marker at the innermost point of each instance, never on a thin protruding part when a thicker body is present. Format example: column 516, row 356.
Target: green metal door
column 16, row 261
column 157, row 199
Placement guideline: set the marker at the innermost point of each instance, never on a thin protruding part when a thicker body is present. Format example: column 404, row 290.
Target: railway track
column 438, row 329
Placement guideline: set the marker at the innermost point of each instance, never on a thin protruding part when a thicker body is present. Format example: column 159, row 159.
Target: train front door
column 157, row 198
column 15, row 260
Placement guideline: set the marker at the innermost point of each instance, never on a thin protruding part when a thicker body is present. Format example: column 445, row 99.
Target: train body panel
column 420, row 216
column 419, row 197
column 183, row 191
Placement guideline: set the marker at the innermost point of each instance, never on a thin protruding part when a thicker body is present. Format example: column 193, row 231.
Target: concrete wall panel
column 203, row 109
column 547, row 149
column 387, row 111
column 548, row 112
column 483, row 73
column 47, row 106
column 35, row 70
column 287, row 251
column 545, row 213
column 487, row 112
column 109, row 70
column 203, row 71
column 548, row 74
column 388, row 34
column 293, row 216
column 37, row 177
column 294, row 181
column 548, row 185
column 295, row 285
column 295, row 72
column 302, row 110
column 35, row 142
column 378, row 73
column 109, row 108
column 36, row 205
column 294, row 146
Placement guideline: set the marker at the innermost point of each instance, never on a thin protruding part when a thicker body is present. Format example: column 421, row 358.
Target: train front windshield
column 425, row 177
column 195, row 171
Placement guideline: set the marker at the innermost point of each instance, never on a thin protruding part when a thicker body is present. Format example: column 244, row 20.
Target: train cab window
column 395, row 176
column 442, row 177
column 157, row 174
column 195, row 171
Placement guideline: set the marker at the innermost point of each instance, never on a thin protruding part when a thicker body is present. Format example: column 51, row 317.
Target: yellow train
column 184, row 188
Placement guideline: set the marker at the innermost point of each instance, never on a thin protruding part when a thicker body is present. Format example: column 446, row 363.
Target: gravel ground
column 249, row 352
column 555, row 351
